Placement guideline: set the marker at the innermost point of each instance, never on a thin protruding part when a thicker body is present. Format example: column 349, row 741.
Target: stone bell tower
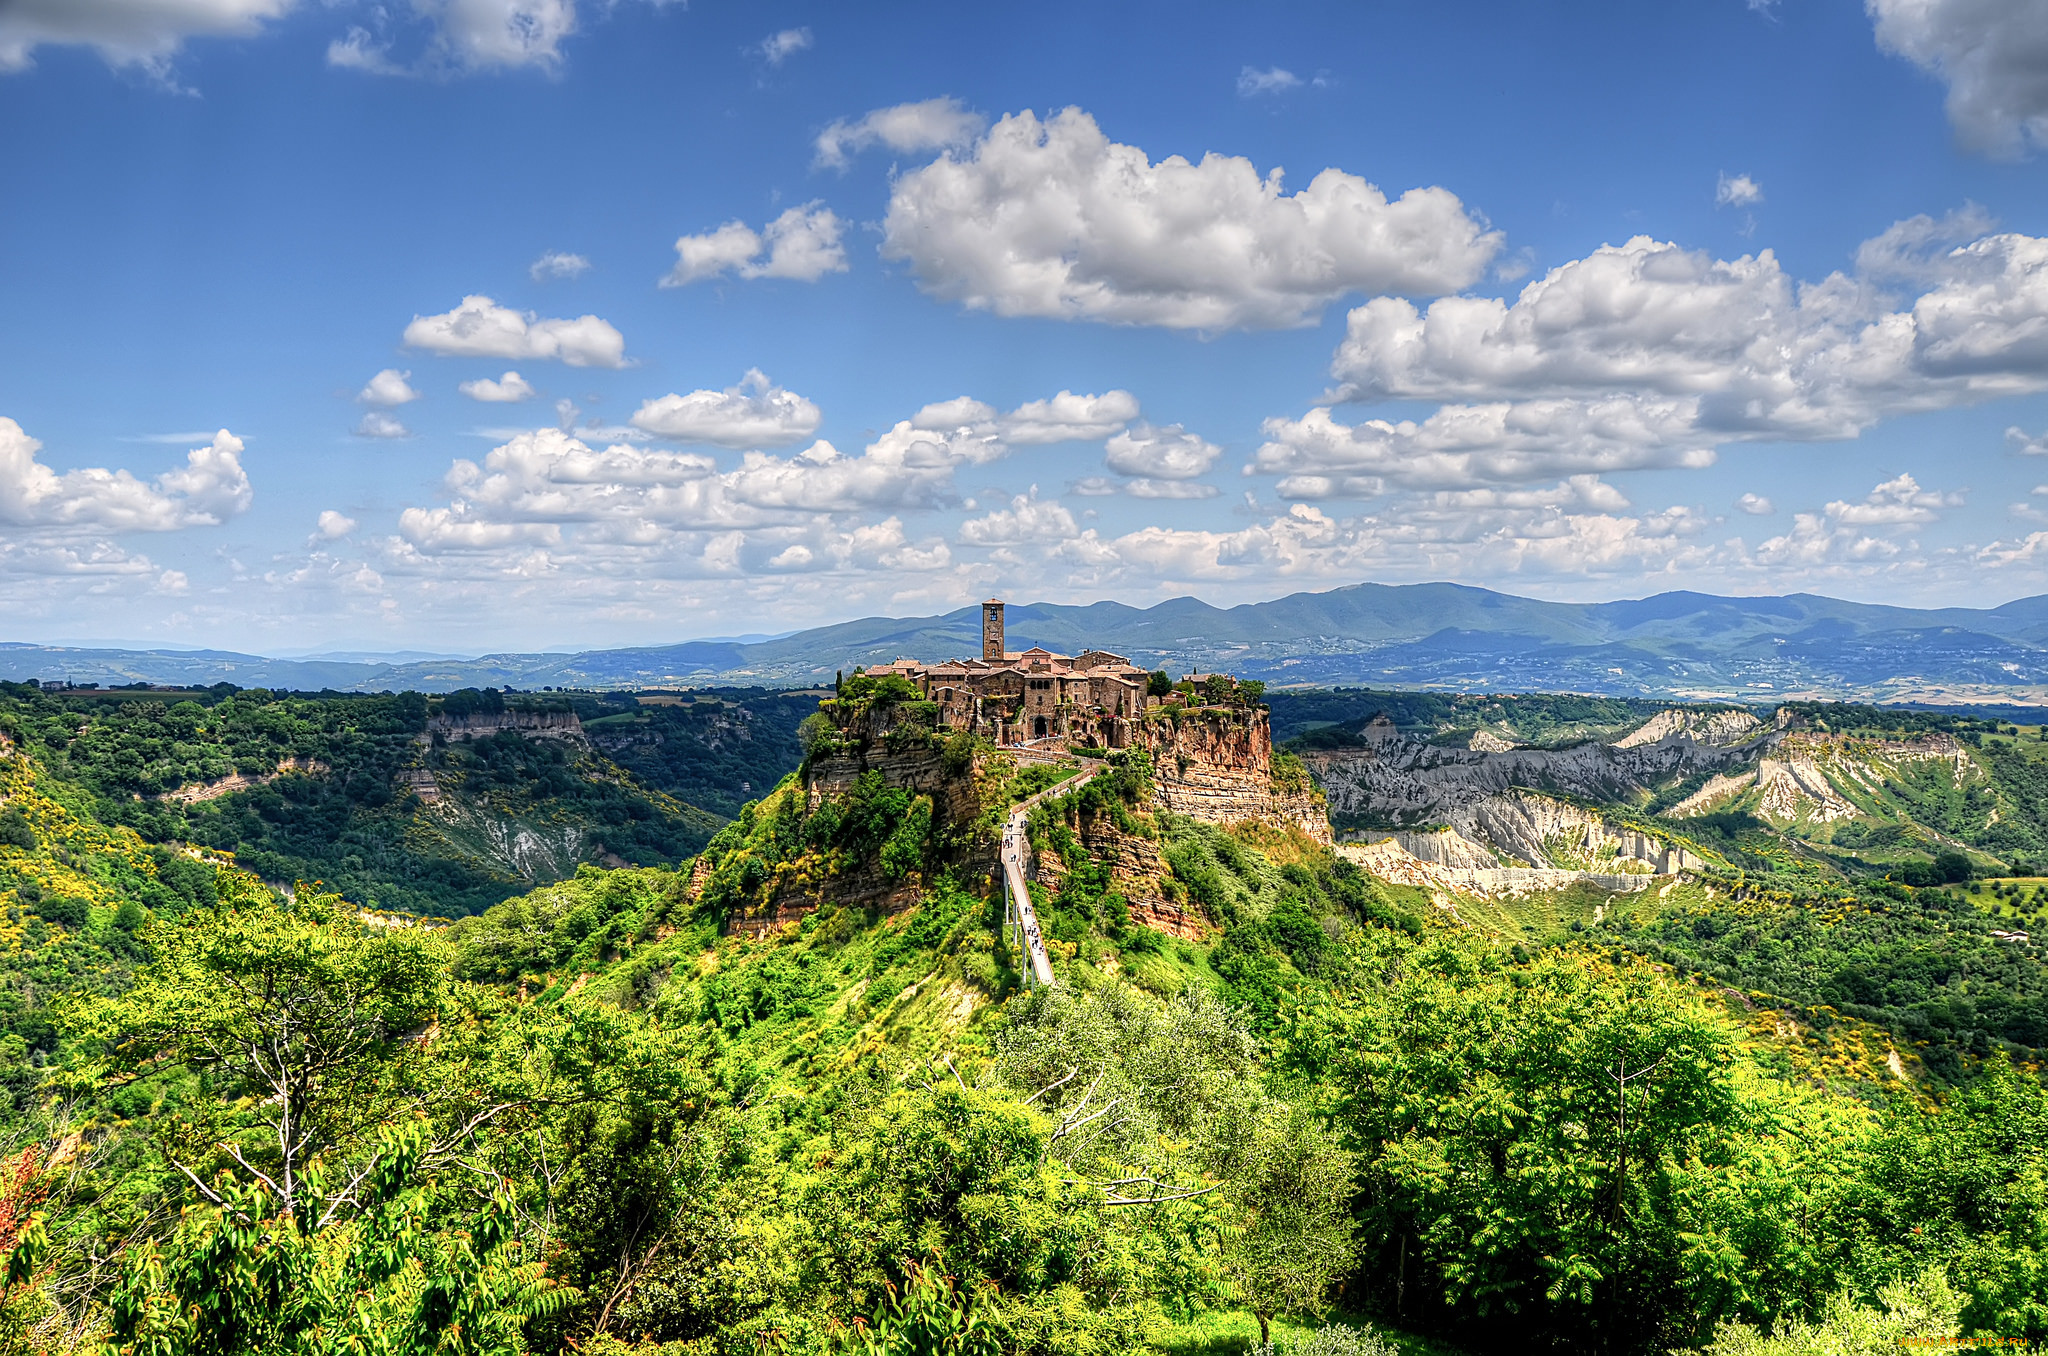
column 992, row 631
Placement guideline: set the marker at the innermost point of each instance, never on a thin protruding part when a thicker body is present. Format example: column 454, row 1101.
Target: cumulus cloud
column 1252, row 81
column 1737, row 190
column 1649, row 354
column 334, row 525
column 1992, row 55
column 207, row 490
column 802, row 244
column 547, row 504
column 929, row 125
column 480, row 328
column 377, row 424
column 509, row 389
column 1756, row 505
column 556, row 264
column 1068, row 418
column 389, row 387
column 134, row 33
column 1027, row 519
column 777, row 48
column 1062, row 418
column 755, row 413
column 1054, row 219
column 550, row 487
column 1318, row 456
column 1573, row 528
column 1859, row 532
column 1168, row 453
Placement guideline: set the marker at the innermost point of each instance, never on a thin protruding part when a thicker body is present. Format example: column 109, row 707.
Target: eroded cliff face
column 1217, row 766
column 1395, row 781
column 1812, row 776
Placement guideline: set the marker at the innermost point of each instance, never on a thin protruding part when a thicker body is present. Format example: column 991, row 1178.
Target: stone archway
column 1038, row 727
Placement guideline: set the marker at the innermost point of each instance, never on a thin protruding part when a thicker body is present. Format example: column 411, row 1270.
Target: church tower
column 992, row 631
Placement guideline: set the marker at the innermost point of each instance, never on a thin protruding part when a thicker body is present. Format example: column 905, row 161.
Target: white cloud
column 1714, row 351
column 333, row 525
column 500, row 34
column 801, row 244
column 460, row 36
column 1899, row 502
column 1756, row 505
column 389, row 387
column 556, row 264
column 755, row 413
column 480, row 328
column 509, row 389
column 906, row 128
column 1146, row 488
column 1856, row 533
column 777, row 48
column 139, row 33
column 715, row 252
column 2027, row 444
column 377, row 424
column 1466, row 445
column 1054, row 219
column 1069, row 418
column 1571, row 529
column 1168, row 453
column 1992, row 55
column 209, row 489
column 548, row 487
column 1273, row 80
column 907, row 467
column 1737, row 190
column 359, row 50
column 1027, row 519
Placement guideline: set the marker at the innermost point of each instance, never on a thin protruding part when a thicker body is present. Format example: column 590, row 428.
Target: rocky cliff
column 483, row 724
column 1216, row 765
column 1393, row 782
column 1817, row 777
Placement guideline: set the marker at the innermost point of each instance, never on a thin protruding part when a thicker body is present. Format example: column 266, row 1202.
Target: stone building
column 1022, row 696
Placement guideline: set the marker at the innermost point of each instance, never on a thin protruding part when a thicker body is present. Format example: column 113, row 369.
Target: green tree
column 1965, row 1186
column 1540, row 1145
column 246, row 1273
column 311, row 1028
column 1923, row 1308
column 1292, row 1185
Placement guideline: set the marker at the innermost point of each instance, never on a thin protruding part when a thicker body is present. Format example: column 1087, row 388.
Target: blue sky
column 1573, row 300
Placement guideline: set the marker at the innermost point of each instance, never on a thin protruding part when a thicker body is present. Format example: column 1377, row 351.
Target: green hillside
column 1353, row 1116
column 358, row 792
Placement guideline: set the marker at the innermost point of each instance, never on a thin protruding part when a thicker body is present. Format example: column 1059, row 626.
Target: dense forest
column 327, row 787
column 595, row 1117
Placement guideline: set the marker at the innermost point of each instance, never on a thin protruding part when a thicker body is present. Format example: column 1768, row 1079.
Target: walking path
column 1015, row 850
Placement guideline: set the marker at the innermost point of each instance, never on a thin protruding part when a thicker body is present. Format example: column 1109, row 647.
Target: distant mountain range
column 1444, row 636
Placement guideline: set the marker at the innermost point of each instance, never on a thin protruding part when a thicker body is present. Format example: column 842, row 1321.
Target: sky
column 467, row 325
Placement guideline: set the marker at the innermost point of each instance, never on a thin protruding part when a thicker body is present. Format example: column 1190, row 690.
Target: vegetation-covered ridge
column 406, row 802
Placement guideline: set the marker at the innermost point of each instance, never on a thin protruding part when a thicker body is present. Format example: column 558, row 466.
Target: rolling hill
column 1445, row 636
